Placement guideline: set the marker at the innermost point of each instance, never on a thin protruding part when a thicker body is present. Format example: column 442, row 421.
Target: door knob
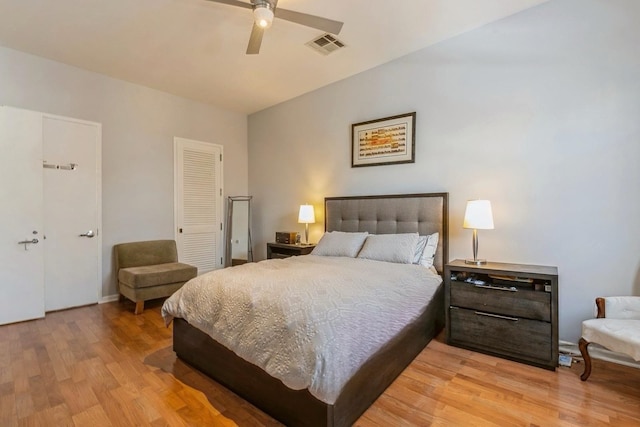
column 88, row 234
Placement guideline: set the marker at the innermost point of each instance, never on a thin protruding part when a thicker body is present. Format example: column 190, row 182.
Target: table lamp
column 306, row 216
column 477, row 216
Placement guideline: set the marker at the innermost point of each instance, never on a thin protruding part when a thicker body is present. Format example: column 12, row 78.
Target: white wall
column 138, row 127
column 538, row 112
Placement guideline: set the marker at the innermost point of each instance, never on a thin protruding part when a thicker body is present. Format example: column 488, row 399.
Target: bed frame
column 422, row 213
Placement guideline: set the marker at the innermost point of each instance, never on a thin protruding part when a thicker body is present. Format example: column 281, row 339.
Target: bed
column 422, row 213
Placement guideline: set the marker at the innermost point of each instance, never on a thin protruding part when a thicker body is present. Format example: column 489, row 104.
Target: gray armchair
column 149, row 270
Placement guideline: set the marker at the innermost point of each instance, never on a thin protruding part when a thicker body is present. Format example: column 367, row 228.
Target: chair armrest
column 600, row 306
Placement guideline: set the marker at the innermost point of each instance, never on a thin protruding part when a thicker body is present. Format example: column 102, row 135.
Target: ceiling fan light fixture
column 263, row 15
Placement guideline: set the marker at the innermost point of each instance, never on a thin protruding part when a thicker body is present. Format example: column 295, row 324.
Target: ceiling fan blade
column 323, row 24
column 234, row 3
column 255, row 40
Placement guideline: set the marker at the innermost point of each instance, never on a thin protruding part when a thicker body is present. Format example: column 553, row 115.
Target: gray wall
column 138, row 126
column 538, row 112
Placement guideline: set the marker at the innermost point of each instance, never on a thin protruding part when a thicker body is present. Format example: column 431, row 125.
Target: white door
column 21, row 265
column 71, row 216
column 198, row 203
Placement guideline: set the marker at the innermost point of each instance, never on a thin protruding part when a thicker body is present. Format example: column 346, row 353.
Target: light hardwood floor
column 102, row 366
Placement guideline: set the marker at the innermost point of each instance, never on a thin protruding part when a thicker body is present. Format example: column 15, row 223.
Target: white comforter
column 309, row 321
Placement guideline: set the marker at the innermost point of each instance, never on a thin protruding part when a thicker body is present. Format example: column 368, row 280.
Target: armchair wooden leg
column 139, row 307
column 583, row 344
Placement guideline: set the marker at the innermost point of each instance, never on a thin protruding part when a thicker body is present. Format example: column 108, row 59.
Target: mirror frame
column 228, row 256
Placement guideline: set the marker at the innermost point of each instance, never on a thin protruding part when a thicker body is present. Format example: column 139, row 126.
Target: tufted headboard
column 398, row 213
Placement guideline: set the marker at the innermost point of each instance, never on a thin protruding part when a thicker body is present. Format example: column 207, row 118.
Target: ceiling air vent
column 325, row 44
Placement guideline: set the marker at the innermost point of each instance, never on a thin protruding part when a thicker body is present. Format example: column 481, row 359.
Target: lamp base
column 475, row 261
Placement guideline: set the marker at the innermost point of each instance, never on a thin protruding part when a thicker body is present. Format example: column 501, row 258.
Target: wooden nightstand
column 285, row 250
column 506, row 310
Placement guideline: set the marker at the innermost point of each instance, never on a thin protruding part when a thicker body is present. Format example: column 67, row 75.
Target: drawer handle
column 498, row 288
column 513, row 319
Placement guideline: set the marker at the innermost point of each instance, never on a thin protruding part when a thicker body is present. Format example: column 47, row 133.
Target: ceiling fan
column 265, row 10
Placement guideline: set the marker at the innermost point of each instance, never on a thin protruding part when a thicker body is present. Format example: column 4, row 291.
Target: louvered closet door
column 198, row 194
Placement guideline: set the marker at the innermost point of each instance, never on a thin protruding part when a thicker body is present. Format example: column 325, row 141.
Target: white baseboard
column 109, row 298
column 598, row 352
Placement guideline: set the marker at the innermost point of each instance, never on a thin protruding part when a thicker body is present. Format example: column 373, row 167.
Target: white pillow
column 422, row 242
column 338, row 243
column 426, row 250
column 398, row 248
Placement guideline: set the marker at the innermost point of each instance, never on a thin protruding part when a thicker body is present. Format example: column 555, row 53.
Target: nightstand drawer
column 512, row 336
column 520, row 303
column 285, row 250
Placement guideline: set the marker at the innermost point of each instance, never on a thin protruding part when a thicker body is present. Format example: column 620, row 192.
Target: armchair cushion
column 619, row 335
column 150, row 252
column 159, row 274
column 622, row 307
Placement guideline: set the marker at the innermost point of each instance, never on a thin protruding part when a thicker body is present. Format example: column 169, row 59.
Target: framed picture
column 385, row 141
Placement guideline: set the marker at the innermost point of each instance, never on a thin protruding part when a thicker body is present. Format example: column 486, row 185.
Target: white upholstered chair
column 617, row 328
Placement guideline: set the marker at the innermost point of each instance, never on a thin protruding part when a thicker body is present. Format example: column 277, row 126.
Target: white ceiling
column 196, row 48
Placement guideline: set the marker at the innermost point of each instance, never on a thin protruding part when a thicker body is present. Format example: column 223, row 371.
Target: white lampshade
column 263, row 16
column 307, row 215
column 478, row 215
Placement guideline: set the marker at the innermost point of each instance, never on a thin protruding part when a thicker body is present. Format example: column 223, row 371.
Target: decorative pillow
column 398, row 248
column 426, row 250
column 338, row 243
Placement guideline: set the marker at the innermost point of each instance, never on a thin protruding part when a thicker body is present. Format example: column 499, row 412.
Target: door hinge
column 220, row 157
column 220, row 226
column 220, row 260
column 221, row 192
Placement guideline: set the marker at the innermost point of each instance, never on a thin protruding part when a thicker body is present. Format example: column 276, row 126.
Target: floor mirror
column 238, row 248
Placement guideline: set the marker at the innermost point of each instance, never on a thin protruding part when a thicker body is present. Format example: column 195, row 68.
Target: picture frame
column 386, row 141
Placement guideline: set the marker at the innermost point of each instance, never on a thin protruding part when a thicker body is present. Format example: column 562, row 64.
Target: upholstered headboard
column 398, row 213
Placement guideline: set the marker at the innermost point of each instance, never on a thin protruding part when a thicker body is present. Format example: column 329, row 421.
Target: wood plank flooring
column 102, row 366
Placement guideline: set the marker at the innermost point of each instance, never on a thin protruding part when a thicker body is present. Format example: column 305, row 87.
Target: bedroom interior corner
column 537, row 112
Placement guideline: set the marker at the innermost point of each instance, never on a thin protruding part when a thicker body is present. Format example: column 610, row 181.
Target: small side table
column 285, row 250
